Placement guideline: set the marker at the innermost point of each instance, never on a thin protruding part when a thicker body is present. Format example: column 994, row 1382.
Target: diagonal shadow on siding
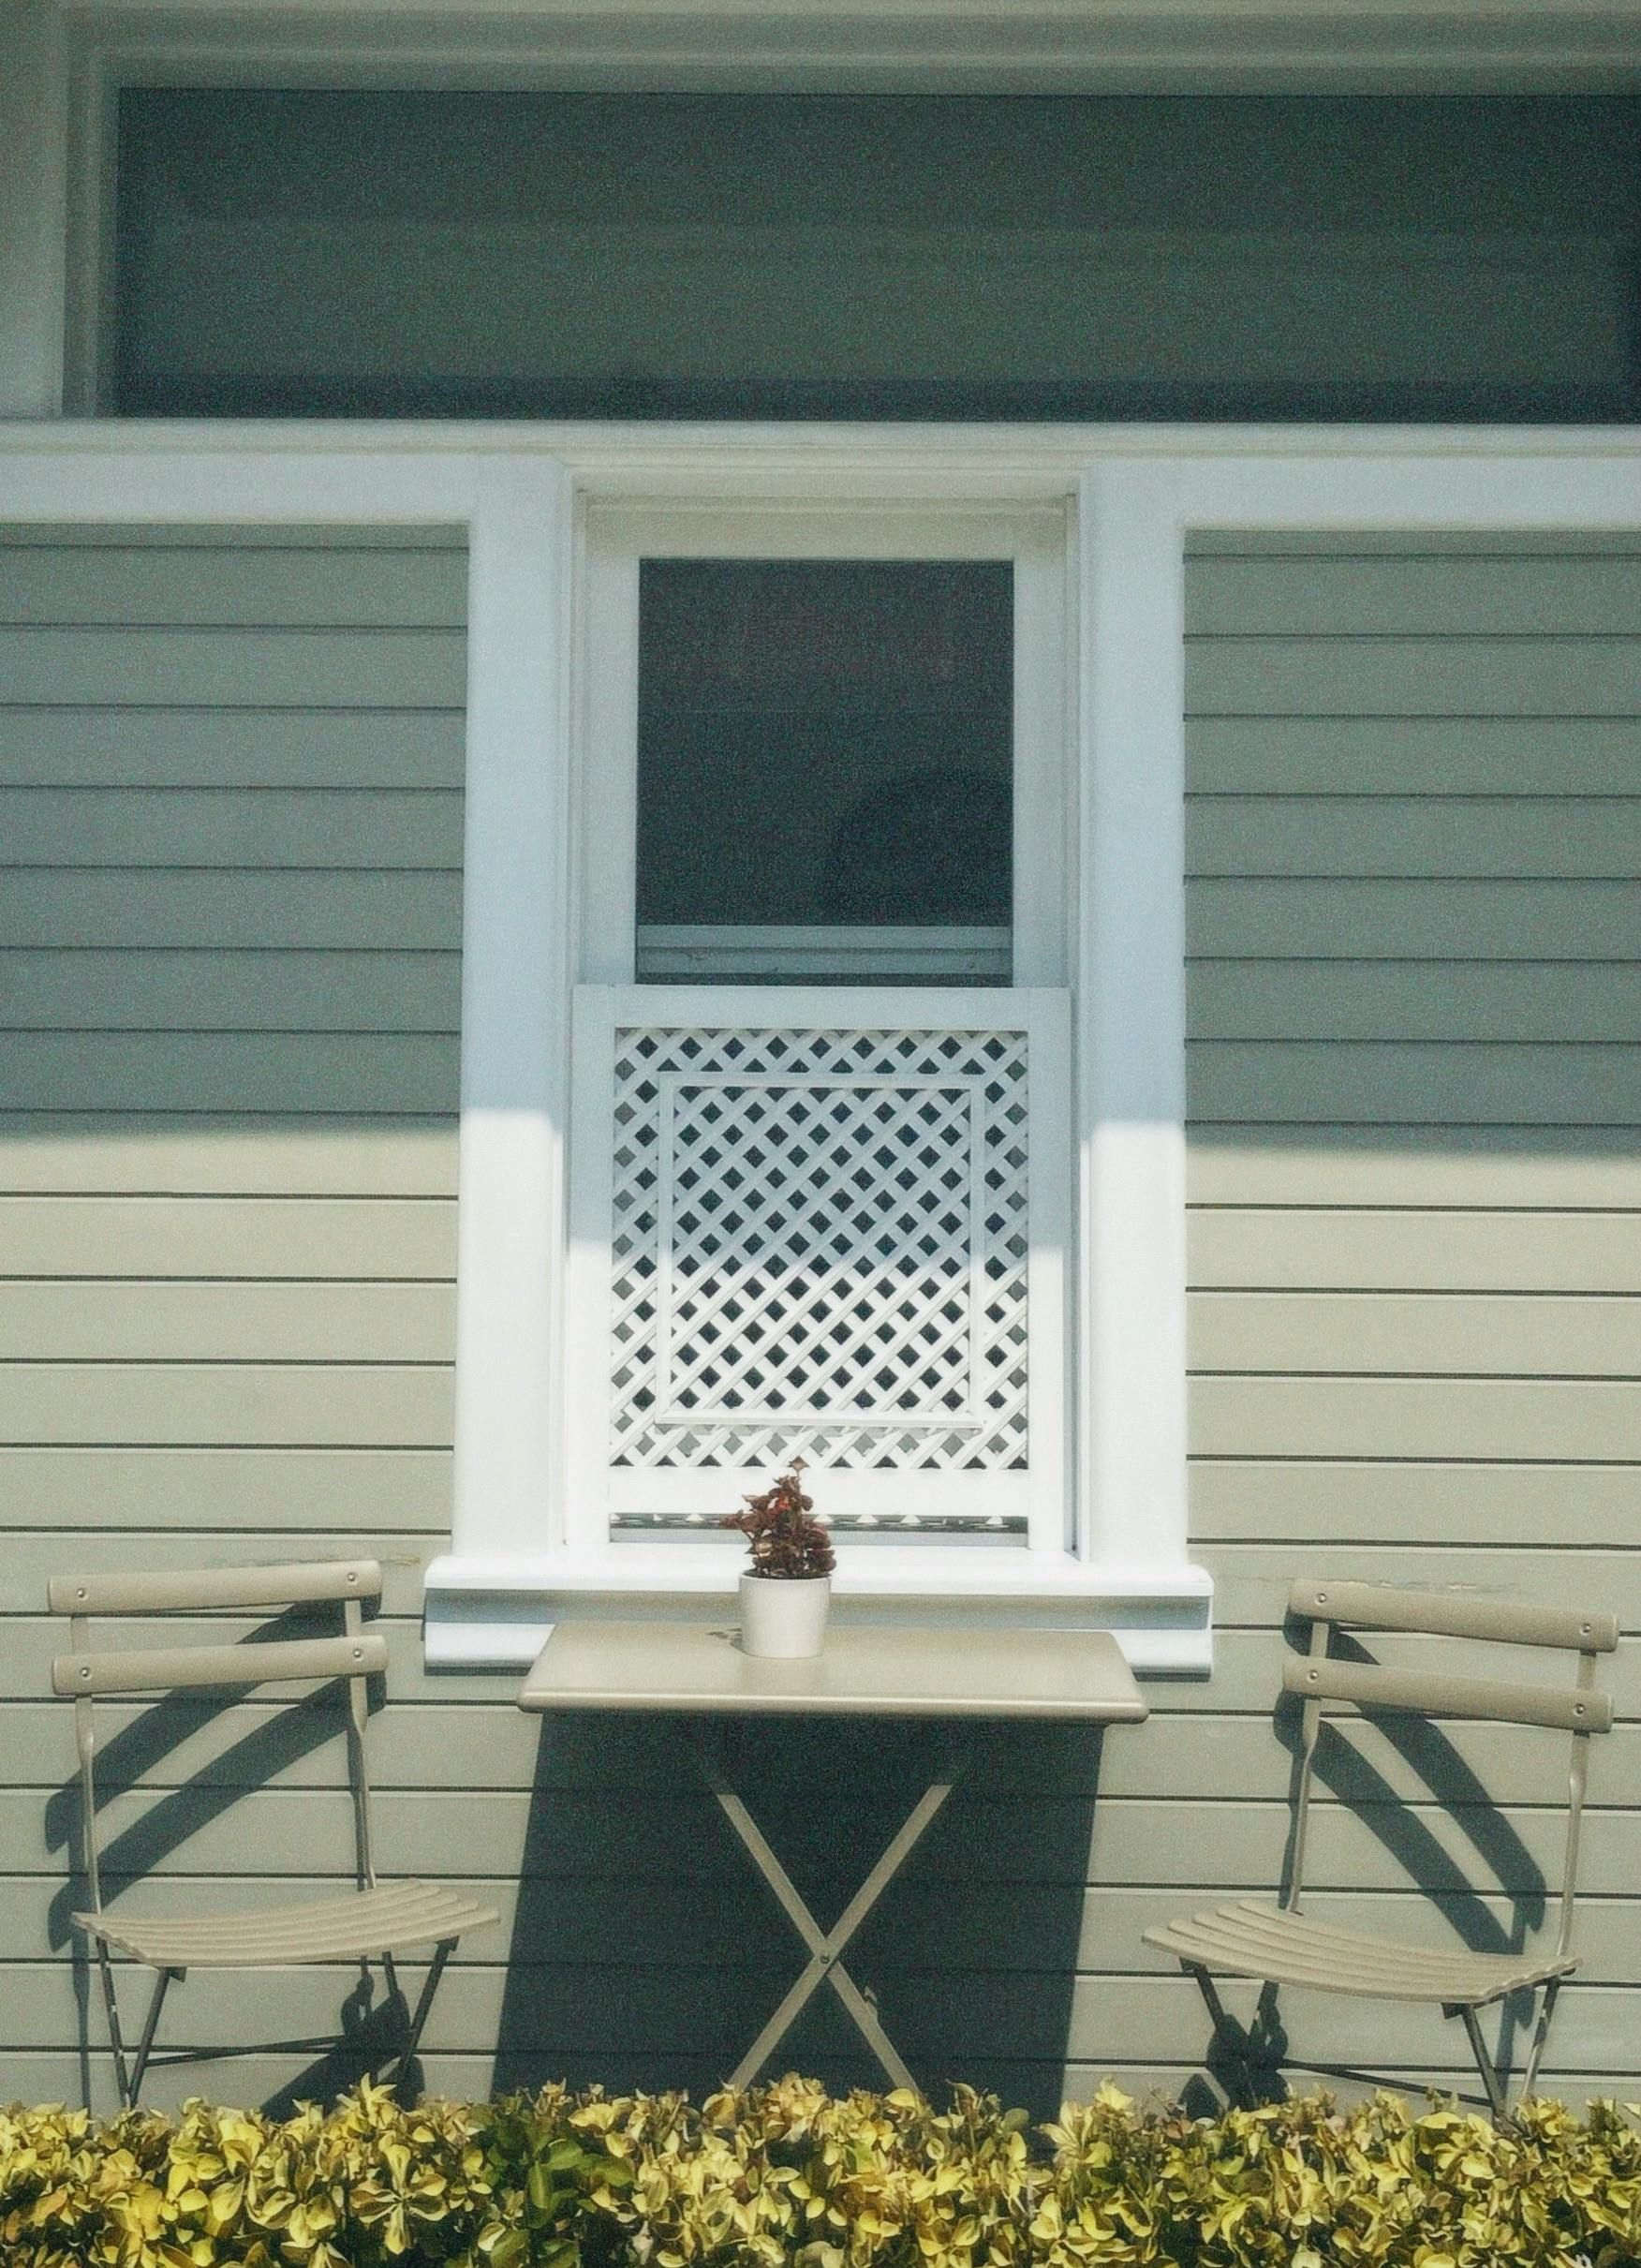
column 370, row 2019
column 655, row 1958
column 1357, row 1786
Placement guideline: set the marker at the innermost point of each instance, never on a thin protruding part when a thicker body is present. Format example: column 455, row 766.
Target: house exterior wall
column 231, row 929
column 1412, row 841
column 231, row 926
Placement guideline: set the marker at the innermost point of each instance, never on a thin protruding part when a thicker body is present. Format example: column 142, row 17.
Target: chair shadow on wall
column 372, row 2018
column 648, row 1952
column 1353, row 1781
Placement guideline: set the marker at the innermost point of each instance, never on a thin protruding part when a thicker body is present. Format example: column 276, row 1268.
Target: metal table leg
column 825, row 1946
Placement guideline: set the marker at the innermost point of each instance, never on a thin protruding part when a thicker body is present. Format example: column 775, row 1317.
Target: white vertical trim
column 584, row 1525
column 1052, row 1380
column 605, row 820
column 91, row 114
column 509, row 1278
column 1043, row 786
column 34, row 207
column 1131, row 1020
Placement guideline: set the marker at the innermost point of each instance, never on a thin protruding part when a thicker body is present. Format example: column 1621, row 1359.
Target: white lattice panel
column 818, row 1241
column 819, row 1246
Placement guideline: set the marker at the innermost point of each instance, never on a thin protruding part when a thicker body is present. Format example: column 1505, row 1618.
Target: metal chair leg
column 1233, row 2038
column 162, row 1984
column 116, row 2042
column 1540, row 2032
column 442, row 1952
column 1486, row 2065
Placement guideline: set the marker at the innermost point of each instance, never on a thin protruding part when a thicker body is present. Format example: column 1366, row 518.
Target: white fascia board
column 107, row 469
column 938, row 45
column 656, row 464
column 495, row 1611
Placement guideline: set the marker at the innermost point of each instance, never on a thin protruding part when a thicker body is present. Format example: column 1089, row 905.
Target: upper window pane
column 824, row 767
column 375, row 253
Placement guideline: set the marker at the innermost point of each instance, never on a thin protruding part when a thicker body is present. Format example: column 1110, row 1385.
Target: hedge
column 787, row 2173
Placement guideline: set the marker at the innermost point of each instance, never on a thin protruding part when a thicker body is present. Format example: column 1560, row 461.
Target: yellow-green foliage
column 786, row 2174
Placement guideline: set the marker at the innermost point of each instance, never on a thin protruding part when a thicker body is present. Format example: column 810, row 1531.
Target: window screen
column 374, row 253
column 824, row 769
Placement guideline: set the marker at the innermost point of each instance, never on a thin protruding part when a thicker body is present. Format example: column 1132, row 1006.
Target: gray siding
column 227, row 1245
column 230, row 816
column 1415, row 1183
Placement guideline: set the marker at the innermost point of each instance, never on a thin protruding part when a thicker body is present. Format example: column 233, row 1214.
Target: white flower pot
column 784, row 1618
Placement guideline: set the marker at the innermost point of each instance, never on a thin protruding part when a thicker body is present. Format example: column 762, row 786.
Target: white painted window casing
column 984, row 1542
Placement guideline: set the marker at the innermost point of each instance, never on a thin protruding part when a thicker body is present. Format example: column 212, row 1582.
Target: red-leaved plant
column 783, row 1539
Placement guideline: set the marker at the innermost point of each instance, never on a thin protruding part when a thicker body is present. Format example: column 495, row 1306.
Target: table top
column 865, row 1670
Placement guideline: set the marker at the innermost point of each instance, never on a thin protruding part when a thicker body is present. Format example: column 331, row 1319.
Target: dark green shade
column 371, row 253
column 825, row 741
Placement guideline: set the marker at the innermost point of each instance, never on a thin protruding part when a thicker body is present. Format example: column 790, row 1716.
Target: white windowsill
column 494, row 1612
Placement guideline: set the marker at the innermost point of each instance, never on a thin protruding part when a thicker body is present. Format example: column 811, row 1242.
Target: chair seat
column 1252, row 1940
column 387, row 1919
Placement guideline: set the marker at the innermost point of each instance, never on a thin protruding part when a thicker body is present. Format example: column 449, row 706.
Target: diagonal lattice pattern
column 819, row 1246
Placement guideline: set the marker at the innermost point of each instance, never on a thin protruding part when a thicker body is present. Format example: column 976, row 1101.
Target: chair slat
column 1368, row 1685
column 369, row 1923
column 188, row 1590
column 152, row 1669
column 1443, row 1614
column 1287, row 1949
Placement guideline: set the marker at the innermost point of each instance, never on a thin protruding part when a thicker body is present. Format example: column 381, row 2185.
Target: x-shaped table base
column 826, row 1946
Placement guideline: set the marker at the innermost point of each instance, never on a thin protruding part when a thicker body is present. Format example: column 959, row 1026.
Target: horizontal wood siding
column 1415, row 1226
column 226, row 1306
column 230, row 892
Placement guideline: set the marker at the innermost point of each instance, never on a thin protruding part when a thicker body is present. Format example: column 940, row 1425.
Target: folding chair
column 1283, row 1946
column 373, row 1921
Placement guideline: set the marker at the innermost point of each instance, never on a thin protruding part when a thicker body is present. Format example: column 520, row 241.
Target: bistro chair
column 374, row 1920
column 1282, row 1945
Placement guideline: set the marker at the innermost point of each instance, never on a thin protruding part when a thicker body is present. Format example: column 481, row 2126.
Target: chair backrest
column 85, row 1675
column 1321, row 1681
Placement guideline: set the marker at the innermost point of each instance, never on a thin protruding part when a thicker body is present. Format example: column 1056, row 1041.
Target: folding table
column 695, row 1669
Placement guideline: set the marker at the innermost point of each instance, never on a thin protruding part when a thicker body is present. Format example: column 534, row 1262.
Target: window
column 825, row 769
column 820, row 1191
column 385, row 252
column 590, row 1465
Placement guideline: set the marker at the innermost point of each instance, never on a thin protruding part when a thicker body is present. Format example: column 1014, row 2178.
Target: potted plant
column 786, row 1590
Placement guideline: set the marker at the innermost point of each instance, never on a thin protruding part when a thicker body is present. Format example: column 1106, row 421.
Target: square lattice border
column 971, row 1202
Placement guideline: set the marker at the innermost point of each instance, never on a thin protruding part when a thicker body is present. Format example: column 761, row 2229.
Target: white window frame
column 1117, row 927
column 1039, row 543
column 1138, row 494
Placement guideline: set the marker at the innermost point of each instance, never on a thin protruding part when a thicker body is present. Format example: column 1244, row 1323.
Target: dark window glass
column 824, row 745
column 306, row 253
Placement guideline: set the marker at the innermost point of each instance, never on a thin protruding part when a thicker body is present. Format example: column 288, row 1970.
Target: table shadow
column 649, row 1952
